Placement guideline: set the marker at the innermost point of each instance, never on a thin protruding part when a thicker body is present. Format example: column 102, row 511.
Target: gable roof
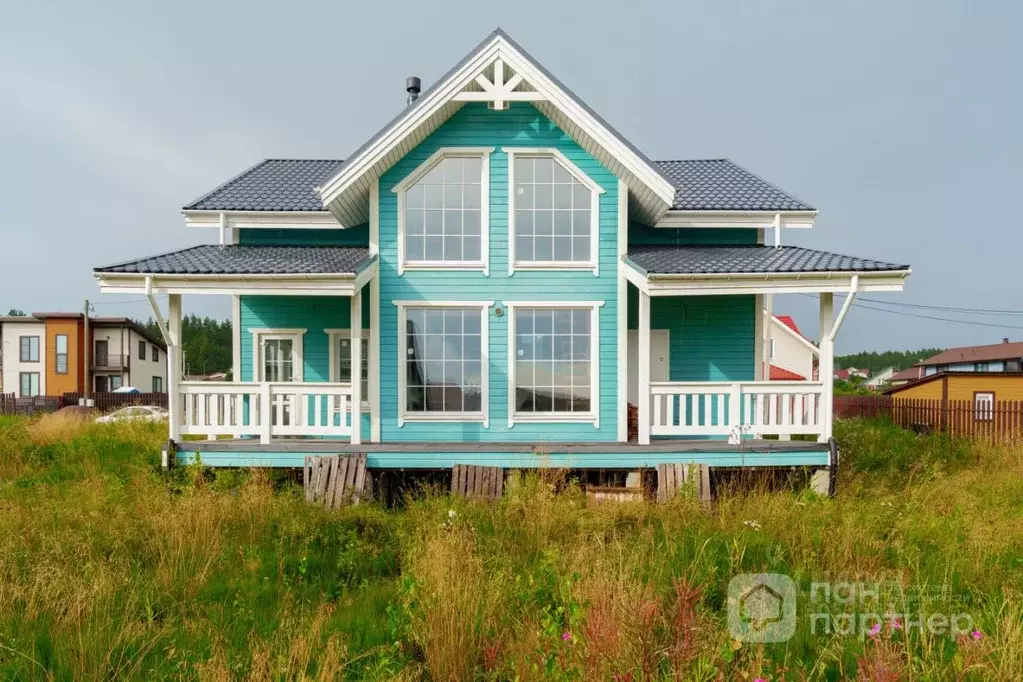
column 996, row 351
column 789, row 322
column 657, row 259
column 345, row 195
column 782, row 374
column 908, row 374
column 209, row 259
column 271, row 185
column 291, row 185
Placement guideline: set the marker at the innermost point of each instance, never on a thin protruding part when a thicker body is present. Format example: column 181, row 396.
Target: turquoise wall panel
column 355, row 236
column 312, row 313
column 691, row 236
column 476, row 125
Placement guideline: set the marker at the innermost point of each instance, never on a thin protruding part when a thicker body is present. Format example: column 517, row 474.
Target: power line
column 935, row 317
column 947, row 309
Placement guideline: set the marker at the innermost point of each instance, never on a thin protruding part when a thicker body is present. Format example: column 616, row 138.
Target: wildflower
column 755, row 525
column 875, row 630
column 759, row 679
column 976, row 634
column 451, row 513
column 565, row 636
column 895, row 624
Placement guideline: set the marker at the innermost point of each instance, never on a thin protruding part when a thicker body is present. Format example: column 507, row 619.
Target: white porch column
column 357, row 367
column 644, row 368
column 827, row 362
column 174, row 366
column 768, row 313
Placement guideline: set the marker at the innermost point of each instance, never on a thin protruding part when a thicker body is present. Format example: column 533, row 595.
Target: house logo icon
column 761, row 607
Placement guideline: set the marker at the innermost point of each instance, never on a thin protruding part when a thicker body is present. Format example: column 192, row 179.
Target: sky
column 900, row 121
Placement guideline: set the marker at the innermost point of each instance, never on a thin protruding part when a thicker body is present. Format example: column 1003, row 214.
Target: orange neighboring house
column 45, row 354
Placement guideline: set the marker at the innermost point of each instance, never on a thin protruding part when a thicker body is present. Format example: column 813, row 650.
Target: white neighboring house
column 881, row 378
column 792, row 356
column 24, row 356
column 123, row 355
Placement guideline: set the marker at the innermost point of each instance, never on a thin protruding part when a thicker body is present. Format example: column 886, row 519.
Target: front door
column 102, row 383
column 278, row 365
column 102, row 354
column 658, row 360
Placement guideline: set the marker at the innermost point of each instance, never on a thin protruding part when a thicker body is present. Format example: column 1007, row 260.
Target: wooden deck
column 599, row 455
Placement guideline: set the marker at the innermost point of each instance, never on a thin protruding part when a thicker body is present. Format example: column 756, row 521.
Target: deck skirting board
column 508, row 455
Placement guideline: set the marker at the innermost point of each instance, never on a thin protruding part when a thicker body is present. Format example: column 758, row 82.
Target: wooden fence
column 104, row 402
column 998, row 421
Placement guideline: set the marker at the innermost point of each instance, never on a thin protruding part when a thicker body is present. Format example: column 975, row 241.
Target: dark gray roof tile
column 271, row 185
column 722, row 185
column 692, row 260
column 289, row 185
column 249, row 260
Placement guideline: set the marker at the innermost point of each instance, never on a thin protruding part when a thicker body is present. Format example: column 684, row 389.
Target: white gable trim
column 798, row 337
column 344, row 194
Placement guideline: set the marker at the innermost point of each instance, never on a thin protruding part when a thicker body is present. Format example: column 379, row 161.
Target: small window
column 60, row 343
column 983, row 406
column 1012, row 365
column 981, row 367
column 142, row 350
column 156, row 354
column 116, row 382
column 771, row 350
column 341, row 359
column 29, row 387
column 29, row 351
column 157, row 384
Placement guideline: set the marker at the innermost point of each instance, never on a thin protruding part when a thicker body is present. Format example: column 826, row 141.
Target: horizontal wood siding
column 355, row 236
column 711, row 338
column 691, row 236
column 312, row 313
column 475, row 125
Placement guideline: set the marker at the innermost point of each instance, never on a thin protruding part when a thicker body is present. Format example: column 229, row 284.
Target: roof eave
column 259, row 219
column 750, row 219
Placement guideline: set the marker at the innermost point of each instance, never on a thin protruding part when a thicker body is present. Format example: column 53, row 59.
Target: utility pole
column 87, row 347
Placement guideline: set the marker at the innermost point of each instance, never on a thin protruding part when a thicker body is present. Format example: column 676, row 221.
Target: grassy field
column 110, row 568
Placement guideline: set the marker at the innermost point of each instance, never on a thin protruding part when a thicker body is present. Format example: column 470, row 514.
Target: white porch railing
column 721, row 408
column 265, row 409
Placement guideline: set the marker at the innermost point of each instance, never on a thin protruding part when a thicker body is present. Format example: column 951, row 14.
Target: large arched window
column 553, row 212
column 443, row 211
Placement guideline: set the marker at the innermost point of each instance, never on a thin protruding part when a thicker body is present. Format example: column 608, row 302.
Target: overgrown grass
column 110, row 568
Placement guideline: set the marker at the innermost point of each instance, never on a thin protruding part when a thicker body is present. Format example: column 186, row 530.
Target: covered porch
column 288, row 382
column 750, row 276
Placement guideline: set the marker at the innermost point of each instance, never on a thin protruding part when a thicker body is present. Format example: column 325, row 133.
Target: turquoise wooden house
column 499, row 273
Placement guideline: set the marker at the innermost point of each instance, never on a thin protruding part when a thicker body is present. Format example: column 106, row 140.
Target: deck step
column 477, row 482
column 673, row 477
column 335, row 480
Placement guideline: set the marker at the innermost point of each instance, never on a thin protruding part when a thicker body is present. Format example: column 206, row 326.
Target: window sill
column 433, row 265
column 553, row 265
column 553, row 418
column 440, row 418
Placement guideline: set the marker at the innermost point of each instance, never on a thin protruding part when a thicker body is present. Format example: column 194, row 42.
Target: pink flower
column 895, row 624
column 976, row 634
column 566, row 635
column 759, row 679
column 875, row 630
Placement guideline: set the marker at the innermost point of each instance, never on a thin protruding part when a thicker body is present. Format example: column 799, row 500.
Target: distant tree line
column 899, row 359
column 205, row 343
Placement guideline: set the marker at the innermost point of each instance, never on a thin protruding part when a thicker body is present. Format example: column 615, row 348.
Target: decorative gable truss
column 498, row 85
column 498, row 72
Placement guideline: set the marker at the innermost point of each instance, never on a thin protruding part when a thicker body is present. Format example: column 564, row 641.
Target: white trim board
column 595, row 191
column 345, row 194
column 334, row 366
column 727, row 219
column 310, row 220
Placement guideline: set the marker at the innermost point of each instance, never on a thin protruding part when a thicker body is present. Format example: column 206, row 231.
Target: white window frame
column 39, row 348
column 984, row 406
column 557, row 417
column 57, row 354
column 482, row 153
column 335, row 335
column 38, row 386
column 260, row 334
column 595, row 191
column 484, row 414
